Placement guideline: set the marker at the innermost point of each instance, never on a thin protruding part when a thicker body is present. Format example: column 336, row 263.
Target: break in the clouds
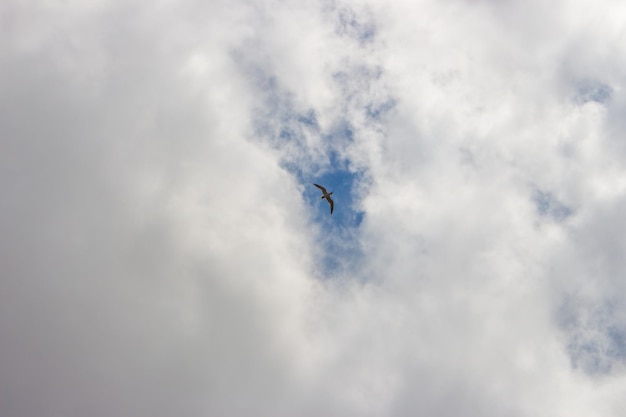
column 164, row 252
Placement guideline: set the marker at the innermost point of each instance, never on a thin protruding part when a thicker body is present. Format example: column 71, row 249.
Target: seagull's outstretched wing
column 332, row 204
column 320, row 187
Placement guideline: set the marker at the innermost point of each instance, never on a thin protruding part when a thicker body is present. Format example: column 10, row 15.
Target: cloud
column 163, row 251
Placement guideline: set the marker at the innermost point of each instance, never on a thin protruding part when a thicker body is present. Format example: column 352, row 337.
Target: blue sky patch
column 547, row 205
column 287, row 128
column 589, row 90
column 360, row 28
column 596, row 340
column 339, row 231
column 313, row 155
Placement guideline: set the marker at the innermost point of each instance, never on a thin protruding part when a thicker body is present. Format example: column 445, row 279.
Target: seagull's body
column 327, row 197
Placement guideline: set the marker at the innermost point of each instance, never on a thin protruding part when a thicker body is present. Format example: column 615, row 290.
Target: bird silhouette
column 327, row 197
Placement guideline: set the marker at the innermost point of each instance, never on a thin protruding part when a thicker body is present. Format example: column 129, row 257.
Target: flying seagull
column 327, row 197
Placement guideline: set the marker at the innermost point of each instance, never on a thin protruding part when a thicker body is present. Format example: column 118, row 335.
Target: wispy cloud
column 163, row 250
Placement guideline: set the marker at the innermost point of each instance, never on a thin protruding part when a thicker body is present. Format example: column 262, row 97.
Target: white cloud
column 160, row 255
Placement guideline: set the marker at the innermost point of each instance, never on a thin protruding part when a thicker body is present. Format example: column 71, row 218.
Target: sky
column 164, row 252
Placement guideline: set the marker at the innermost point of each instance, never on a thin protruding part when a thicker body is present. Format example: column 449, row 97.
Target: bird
column 327, row 197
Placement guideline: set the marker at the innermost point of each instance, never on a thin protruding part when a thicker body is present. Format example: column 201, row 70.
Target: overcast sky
column 163, row 251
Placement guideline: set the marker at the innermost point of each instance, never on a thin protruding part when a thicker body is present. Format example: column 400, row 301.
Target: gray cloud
column 159, row 253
